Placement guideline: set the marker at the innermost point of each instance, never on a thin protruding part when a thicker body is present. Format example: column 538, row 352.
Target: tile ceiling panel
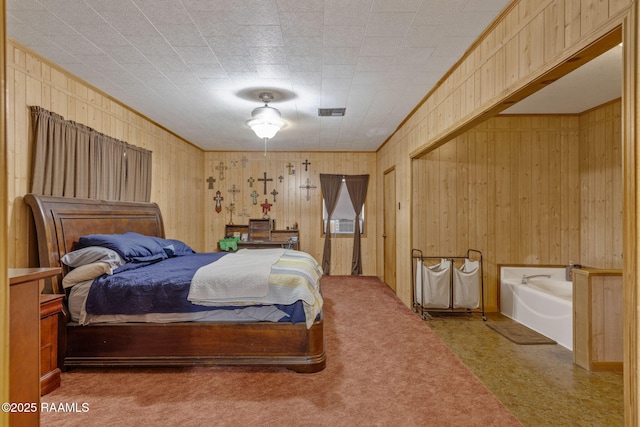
column 197, row 66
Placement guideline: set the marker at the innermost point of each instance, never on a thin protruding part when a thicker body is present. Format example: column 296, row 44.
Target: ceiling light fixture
column 265, row 121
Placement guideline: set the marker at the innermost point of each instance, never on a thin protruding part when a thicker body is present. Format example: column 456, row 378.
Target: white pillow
column 86, row 272
column 92, row 254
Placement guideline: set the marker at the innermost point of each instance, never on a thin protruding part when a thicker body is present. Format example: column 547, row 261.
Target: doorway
column 389, row 228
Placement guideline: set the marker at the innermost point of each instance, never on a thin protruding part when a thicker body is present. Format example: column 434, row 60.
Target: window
column 343, row 219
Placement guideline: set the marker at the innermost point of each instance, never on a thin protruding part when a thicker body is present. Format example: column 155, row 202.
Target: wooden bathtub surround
column 597, row 319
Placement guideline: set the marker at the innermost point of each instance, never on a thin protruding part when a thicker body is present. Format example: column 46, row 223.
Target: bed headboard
column 61, row 221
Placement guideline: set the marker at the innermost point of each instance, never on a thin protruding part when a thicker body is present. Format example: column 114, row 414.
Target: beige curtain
column 58, row 144
column 72, row 160
column 137, row 185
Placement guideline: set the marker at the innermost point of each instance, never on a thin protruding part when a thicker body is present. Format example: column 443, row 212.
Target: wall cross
column 233, row 192
column 306, row 164
column 266, row 207
column 244, row 213
column 251, row 181
column 218, row 198
column 231, row 209
column 221, row 167
column 292, row 171
column 254, row 196
column 264, row 180
column 308, row 187
column 211, row 180
column 244, row 161
column 274, row 192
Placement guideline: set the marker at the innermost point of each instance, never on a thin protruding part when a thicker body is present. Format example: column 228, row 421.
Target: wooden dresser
column 24, row 337
column 51, row 322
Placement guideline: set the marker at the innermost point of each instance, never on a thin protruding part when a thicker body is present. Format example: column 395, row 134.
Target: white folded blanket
column 279, row 276
column 242, row 274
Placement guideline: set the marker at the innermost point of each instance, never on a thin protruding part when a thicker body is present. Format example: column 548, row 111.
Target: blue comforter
column 160, row 287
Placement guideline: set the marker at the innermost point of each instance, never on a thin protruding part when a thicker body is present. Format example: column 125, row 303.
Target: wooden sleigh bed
column 60, row 222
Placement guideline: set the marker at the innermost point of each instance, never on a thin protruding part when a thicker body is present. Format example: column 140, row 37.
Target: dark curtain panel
column 72, row 160
column 60, row 151
column 108, row 167
column 137, row 185
column 357, row 186
column 330, row 186
column 83, row 169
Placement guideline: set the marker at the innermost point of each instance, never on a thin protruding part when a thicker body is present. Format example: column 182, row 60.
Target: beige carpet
column 518, row 333
column 385, row 367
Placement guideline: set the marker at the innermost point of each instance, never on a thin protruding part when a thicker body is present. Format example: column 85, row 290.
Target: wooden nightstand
column 51, row 322
column 24, row 339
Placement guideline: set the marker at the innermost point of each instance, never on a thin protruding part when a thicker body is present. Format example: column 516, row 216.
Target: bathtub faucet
column 525, row 278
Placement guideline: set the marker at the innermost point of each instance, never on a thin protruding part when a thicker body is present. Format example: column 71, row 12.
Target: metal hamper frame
column 416, row 255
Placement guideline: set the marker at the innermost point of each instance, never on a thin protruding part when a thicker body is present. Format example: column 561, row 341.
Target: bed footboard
column 192, row 344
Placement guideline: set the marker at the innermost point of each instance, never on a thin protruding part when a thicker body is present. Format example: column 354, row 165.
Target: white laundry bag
column 466, row 285
column 436, row 291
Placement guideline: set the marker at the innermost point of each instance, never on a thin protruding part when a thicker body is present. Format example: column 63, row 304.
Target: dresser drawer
column 50, row 324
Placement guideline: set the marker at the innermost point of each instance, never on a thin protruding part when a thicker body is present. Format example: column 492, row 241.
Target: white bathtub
column 544, row 305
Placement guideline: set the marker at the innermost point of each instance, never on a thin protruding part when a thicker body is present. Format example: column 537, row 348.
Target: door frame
column 385, row 222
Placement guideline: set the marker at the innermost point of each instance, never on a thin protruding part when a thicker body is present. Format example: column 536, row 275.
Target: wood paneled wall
column 177, row 165
column 509, row 188
column 531, row 42
column 601, row 187
column 291, row 203
column 543, row 189
column 179, row 169
column 4, row 180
